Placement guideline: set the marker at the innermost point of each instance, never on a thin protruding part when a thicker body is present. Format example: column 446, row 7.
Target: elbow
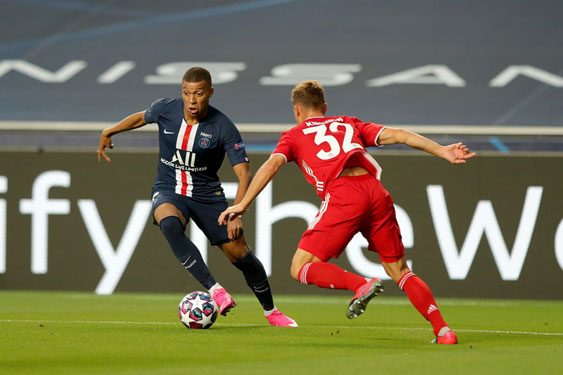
column 243, row 173
column 391, row 136
column 139, row 119
column 403, row 136
column 270, row 169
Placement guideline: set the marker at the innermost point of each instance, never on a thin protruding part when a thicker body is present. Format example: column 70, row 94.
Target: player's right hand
column 232, row 212
column 105, row 141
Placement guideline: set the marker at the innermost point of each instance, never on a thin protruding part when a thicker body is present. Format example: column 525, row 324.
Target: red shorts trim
column 355, row 204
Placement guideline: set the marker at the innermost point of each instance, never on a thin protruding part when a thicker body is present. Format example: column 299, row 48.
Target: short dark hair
column 197, row 74
column 309, row 94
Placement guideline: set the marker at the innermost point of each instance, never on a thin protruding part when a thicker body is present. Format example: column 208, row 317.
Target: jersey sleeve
column 285, row 147
column 369, row 132
column 234, row 146
column 153, row 112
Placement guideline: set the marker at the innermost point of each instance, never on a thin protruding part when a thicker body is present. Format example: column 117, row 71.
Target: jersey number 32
column 335, row 147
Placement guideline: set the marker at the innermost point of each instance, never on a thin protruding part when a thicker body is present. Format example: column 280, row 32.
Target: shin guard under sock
column 421, row 297
column 185, row 250
column 330, row 276
column 255, row 276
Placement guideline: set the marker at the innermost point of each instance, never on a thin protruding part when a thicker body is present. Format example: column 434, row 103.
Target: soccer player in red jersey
column 331, row 153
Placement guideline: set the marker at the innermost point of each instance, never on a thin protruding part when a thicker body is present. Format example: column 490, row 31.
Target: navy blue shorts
column 205, row 215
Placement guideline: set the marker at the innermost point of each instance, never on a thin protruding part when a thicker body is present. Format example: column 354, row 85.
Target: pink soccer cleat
column 447, row 338
column 223, row 300
column 279, row 319
column 364, row 294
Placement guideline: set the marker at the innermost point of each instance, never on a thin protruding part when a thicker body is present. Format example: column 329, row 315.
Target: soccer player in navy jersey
column 193, row 140
column 331, row 154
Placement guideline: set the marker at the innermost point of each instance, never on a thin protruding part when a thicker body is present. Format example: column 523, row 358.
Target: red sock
column 421, row 297
column 328, row 275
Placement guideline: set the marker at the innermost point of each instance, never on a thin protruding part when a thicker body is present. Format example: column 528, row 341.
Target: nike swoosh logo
column 165, row 132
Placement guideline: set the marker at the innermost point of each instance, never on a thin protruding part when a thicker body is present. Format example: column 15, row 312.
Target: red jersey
column 323, row 146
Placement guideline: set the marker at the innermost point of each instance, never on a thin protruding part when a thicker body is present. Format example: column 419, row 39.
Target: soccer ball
column 197, row 310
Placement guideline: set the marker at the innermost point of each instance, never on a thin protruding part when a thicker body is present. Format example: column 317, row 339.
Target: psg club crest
column 204, row 142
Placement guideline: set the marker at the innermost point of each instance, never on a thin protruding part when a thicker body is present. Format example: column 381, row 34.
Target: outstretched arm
column 456, row 153
column 136, row 120
column 264, row 175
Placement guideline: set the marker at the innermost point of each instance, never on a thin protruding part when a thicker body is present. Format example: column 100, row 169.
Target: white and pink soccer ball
column 197, row 310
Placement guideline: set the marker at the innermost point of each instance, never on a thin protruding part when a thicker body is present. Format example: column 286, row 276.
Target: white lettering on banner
column 40, row 207
column 62, row 75
column 326, row 74
column 558, row 244
column 114, row 261
column 116, row 72
column 281, row 75
column 362, row 264
column 199, row 240
column 172, row 73
column 513, row 71
column 266, row 216
column 485, row 222
column 427, row 75
column 3, row 221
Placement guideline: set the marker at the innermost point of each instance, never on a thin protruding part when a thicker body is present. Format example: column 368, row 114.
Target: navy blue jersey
column 191, row 155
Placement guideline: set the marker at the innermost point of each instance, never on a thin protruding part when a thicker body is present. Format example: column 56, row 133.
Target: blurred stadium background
column 489, row 74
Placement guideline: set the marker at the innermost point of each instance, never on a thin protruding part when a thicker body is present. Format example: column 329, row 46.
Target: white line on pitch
column 263, row 325
column 395, row 301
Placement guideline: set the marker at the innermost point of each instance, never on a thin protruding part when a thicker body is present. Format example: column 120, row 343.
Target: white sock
column 268, row 312
column 443, row 331
column 214, row 287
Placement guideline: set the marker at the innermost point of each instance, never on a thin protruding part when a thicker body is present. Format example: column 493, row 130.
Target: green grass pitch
column 82, row 333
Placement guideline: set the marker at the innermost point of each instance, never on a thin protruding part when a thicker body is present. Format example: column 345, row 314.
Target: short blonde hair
column 309, row 94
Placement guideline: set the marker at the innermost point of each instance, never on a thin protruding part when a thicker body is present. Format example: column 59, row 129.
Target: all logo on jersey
column 189, row 160
column 239, row 146
column 204, row 142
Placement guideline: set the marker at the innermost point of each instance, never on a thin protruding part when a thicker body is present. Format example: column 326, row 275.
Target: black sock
column 256, row 278
column 185, row 250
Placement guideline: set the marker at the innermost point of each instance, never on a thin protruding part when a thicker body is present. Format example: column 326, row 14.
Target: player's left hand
column 234, row 228
column 457, row 153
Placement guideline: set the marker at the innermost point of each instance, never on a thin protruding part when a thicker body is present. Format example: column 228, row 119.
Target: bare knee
column 396, row 270
column 168, row 209
column 300, row 258
column 294, row 270
column 236, row 249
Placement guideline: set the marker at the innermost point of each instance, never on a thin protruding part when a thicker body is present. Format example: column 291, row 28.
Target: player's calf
column 256, row 278
column 185, row 250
